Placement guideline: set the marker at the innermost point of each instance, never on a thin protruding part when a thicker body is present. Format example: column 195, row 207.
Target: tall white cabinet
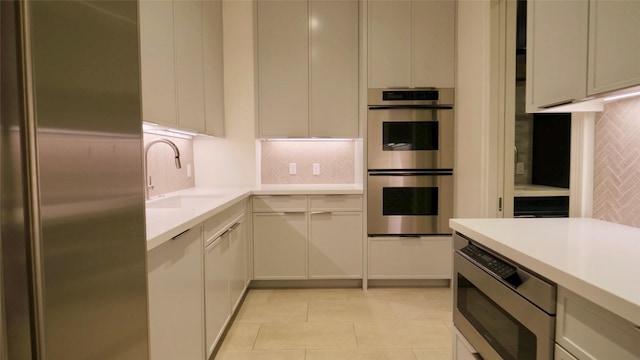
column 411, row 43
column 308, row 68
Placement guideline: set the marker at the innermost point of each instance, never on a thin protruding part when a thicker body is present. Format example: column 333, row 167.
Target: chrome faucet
column 148, row 184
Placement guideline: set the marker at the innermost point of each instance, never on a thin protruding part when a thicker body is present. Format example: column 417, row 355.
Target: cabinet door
column 237, row 248
column 614, row 49
column 562, row 354
column 407, row 258
column 217, row 298
column 434, row 43
column 556, row 52
column 280, row 246
column 189, row 64
column 157, row 62
column 390, row 43
column 335, row 245
column 283, row 68
column 176, row 298
column 213, row 67
column 334, row 69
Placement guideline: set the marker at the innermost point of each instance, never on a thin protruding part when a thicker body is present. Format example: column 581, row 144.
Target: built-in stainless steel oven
column 409, row 202
column 410, row 129
column 504, row 311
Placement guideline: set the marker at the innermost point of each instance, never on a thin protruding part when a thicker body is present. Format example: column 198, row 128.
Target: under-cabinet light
column 622, row 96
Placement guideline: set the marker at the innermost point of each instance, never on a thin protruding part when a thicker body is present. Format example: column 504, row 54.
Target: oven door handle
column 425, row 107
column 413, row 173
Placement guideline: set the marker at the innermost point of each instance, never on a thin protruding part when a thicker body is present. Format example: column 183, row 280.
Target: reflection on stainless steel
column 176, row 151
column 73, row 234
column 499, row 319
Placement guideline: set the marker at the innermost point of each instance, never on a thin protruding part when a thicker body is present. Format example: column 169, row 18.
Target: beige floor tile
column 433, row 354
column 298, row 295
column 258, row 296
column 422, row 310
column 396, row 294
column 444, row 294
column 403, row 334
column 241, row 336
column 273, row 312
column 306, row 336
column 351, row 311
column 260, row 355
column 392, row 354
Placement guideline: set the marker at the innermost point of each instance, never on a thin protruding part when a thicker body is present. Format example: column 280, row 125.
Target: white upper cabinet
column 181, row 64
column 283, row 68
column 189, row 64
column 411, row 43
column 157, row 63
column 213, row 67
column 334, row 69
column 556, row 52
column 308, row 68
column 614, row 45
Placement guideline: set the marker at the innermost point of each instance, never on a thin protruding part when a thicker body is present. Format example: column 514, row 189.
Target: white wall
column 231, row 161
column 476, row 120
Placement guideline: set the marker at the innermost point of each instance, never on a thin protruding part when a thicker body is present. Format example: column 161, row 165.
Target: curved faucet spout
column 148, row 184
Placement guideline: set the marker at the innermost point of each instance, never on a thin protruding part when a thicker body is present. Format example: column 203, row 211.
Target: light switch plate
column 292, row 168
column 520, row 168
column 316, row 168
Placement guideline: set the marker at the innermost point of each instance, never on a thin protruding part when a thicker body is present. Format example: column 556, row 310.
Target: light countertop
column 164, row 223
column 597, row 260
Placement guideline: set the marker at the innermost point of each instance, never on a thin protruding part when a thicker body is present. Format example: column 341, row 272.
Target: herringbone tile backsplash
column 616, row 193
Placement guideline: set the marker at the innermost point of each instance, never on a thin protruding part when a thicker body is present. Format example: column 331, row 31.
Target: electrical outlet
column 316, row 168
column 292, row 168
column 520, row 168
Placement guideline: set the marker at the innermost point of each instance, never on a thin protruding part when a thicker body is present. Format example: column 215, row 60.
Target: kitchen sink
column 182, row 201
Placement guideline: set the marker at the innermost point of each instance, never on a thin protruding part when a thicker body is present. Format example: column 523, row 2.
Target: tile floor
column 336, row 324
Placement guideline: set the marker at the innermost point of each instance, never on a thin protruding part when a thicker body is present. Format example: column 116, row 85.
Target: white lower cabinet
column 427, row 257
column 462, row 350
column 335, row 245
column 307, row 237
column 237, row 256
column 280, row 246
column 590, row 332
column 176, row 310
column 217, row 292
column 562, row 354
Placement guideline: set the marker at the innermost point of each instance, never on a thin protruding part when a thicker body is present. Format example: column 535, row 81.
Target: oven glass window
column 506, row 335
column 409, row 135
column 416, row 201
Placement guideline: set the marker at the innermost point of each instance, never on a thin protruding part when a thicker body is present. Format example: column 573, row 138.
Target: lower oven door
column 409, row 202
column 498, row 322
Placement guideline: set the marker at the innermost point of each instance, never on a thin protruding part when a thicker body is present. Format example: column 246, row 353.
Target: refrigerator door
column 87, row 281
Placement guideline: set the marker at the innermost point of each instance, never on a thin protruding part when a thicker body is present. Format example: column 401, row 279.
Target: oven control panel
column 493, row 264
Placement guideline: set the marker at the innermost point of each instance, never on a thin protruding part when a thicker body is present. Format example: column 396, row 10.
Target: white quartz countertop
column 598, row 260
column 164, row 223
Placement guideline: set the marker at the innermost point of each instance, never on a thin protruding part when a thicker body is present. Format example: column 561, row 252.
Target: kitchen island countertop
column 597, row 260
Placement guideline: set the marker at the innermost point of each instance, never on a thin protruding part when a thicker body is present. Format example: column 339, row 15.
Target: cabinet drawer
column 335, row 203
column 410, row 258
column 589, row 331
column 215, row 225
column 562, row 354
column 280, row 203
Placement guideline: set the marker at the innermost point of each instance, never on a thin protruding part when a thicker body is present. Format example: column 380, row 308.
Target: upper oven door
column 409, row 203
column 410, row 137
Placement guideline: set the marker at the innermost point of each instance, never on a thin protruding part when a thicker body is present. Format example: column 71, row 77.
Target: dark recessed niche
column 551, row 150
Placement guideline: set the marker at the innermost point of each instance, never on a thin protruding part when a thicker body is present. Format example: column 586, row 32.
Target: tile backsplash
column 164, row 175
column 336, row 159
column 616, row 193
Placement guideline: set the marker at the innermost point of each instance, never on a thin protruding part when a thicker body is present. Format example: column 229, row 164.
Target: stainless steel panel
column 445, row 97
column 379, row 224
column 379, row 159
column 15, row 249
column 530, row 316
column 86, row 86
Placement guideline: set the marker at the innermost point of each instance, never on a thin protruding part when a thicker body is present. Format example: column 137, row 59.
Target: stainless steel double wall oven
column 410, row 161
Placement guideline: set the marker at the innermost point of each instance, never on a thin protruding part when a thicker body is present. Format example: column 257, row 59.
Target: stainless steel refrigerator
column 73, row 248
